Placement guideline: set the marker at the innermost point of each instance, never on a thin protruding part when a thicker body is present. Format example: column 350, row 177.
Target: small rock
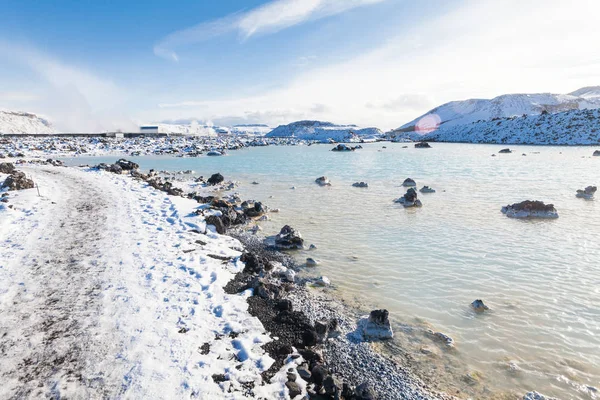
column 303, row 372
column 422, row 145
column 537, row 396
column 323, row 181
column 215, row 179
column 426, row 189
column 294, row 389
column 311, row 262
column 479, row 306
column 360, row 184
column 364, row 391
column 322, row 281
column 408, row 182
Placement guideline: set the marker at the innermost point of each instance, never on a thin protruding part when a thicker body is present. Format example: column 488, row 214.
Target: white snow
column 575, row 127
column 12, row 122
column 509, row 105
column 323, row 131
column 103, row 277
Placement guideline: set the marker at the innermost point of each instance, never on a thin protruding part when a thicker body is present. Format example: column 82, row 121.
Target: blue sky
column 94, row 65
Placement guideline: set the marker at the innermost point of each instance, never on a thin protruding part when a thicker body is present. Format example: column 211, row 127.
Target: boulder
column 323, row 181
column 7, row 168
column 426, row 189
column 422, row 145
column 364, row 391
column 596, row 153
column 215, row 179
column 479, row 306
column 410, row 199
column 530, row 209
column 587, row 193
column 289, row 239
column 343, row 147
column 377, row 326
column 127, row 165
column 217, row 222
column 408, row 182
column 294, row 389
column 17, row 181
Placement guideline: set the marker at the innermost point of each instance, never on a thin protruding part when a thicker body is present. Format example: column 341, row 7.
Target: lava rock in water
column 596, row 153
column 18, row 181
column 422, row 145
column 410, row 199
column 289, row 239
column 587, row 193
column 215, row 179
column 479, row 306
column 214, row 153
column 7, row 168
column 361, row 184
column 343, row 147
column 441, row 337
column 127, row 165
column 505, row 151
column 377, row 326
column 323, row 181
column 256, row 211
column 427, row 189
column 311, row 262
column 408, row 182
column 530, row 209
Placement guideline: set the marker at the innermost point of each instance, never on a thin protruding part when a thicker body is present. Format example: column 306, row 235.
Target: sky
column 98, row 65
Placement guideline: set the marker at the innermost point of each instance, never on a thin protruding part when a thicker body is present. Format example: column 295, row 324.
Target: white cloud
column 268, row 18
column 484, row 48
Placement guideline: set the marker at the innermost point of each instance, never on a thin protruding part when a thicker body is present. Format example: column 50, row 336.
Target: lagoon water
column 540, row 278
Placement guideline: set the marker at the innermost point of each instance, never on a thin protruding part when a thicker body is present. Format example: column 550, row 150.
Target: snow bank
column 23, row 123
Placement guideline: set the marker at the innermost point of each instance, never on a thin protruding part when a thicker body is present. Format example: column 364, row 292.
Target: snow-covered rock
column 12, row 123
column 323, row 181
column 530, row 209
column 323, row 131
column 587, row 193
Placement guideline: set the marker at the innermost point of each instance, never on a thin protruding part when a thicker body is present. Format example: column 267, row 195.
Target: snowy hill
column 192, row 129
column 574, row 127
column 323, row 131
column 250, row 129
column 509, row 105
column 23, row 123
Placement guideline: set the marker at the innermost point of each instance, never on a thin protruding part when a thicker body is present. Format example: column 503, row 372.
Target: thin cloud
column 268, row 18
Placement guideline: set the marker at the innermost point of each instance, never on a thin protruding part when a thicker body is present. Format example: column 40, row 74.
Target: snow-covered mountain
column 509, row 105
column 12, row 122
column 323, row 131
column 250, row 129
column 573, row 127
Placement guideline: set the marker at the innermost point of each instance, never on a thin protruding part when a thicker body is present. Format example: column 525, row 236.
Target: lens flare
column 428, row 123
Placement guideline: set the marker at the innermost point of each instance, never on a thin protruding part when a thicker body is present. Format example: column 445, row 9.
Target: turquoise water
column 541, row 279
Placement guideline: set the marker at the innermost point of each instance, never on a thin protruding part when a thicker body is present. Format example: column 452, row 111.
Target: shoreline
column 398, row 383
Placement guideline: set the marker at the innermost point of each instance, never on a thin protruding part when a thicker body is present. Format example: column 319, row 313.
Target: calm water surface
column 541, row 279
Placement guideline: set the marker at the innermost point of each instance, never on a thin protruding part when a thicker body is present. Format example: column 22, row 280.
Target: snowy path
column 105, row 293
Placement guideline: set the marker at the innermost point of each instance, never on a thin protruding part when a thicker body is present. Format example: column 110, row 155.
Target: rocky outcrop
column 410, row 199
column 422, row 145
column 376, row 326
column 344, row 147
column 530, row 209
column 408, row 182
column 7, row 168
column 289, row 239
column 17, row 180
column 479, row 306
column 323, row 181
column 215, row 179
column 587, row 193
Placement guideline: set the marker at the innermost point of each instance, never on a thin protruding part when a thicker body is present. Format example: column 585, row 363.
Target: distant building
column 149, row 129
